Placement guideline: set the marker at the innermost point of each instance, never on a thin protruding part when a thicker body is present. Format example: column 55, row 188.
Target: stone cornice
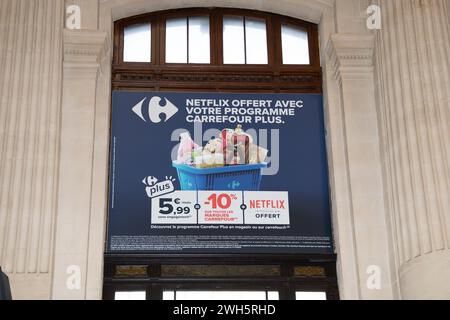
column 83, row 50
column 351, row 54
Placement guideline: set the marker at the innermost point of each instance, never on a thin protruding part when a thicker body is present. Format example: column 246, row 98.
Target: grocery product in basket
column 227, row 134
column 214, row 146
column 197, row 153
column 231, row 162
column 257, row 154
column 210, row 156
column 186, row 149
column 236, row 146
column 209, row 160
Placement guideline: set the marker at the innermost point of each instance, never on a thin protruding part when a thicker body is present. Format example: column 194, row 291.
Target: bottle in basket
column 186, row 149
column 236, row 146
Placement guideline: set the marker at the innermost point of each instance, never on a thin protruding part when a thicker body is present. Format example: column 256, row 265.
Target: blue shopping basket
column 239, row 177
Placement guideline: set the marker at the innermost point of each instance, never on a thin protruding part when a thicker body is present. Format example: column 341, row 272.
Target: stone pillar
column 413, row 82
column 82, row 51
column 351, row 60
column 30, row 101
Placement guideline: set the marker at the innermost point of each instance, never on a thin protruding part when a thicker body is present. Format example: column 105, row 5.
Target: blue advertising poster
column 218, row 173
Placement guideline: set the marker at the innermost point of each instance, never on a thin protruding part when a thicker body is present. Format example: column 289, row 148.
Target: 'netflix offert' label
column 267, row 208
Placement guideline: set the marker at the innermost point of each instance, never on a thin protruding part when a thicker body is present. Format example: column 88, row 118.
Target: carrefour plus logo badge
column 156, row 188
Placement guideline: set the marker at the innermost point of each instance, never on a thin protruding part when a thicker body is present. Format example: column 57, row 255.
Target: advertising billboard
column 218, row 173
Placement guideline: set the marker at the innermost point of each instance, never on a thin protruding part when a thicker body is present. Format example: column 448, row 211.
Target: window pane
column 295, row 45
column 221, row 295
column 168, row 295
column 273, row 295
column 199, row 51
column 302, row 295
column 137, row 43
column 256, row 38
column 176, row 41
column 233, row 40
column 130, row 295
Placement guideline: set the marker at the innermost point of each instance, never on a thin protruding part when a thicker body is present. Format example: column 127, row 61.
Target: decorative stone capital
column 83, row 50
column 351, row 55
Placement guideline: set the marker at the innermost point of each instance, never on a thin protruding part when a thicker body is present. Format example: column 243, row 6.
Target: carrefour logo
column 153, row 110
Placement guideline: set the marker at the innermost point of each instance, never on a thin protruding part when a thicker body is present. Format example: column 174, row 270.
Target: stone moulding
column 351, row 54
column 83, row 50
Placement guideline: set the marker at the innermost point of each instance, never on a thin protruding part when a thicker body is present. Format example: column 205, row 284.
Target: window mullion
column 245, row 40
column 187, row 42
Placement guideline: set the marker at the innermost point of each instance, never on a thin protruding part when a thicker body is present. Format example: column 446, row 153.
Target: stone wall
column 386, row 96
column 413, row 80
column 30, row 111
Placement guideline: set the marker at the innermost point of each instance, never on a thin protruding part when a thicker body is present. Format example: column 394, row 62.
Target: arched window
column 216, row 49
